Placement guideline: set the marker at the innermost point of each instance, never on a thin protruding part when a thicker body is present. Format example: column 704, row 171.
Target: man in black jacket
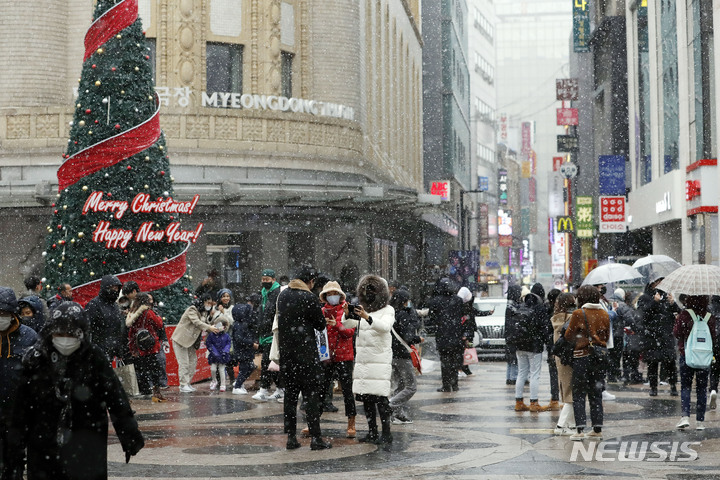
column 299, row 315
column 446, row 312
column 106, row 323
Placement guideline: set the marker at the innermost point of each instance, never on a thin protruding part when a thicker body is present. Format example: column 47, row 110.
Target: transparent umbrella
column 611, row 272
column 693, row 280
column 656, row 266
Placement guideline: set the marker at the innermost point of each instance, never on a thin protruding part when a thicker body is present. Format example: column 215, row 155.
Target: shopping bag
column 470, row 356
column 322, row 343
column 128, row 378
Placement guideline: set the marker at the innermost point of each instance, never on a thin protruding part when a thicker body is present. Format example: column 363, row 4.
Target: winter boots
column 157, row 396
column 536, row 407
column 555, row 406
column 520, row 406
column 351, row 432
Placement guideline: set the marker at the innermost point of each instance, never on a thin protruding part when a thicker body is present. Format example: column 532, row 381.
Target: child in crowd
column 218, row 347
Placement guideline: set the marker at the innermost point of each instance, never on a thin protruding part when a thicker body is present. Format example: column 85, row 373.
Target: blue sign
column 483, row 184
column 611, row 174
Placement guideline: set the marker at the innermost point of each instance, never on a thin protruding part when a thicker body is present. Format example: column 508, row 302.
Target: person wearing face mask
column 107, row 325
column 31, row 312
column 340, row 341
column 15, row 340
column 186, row 338
column 270, row 291
column 68, row 389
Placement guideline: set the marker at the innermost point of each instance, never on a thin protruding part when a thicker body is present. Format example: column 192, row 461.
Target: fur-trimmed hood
column 373, row 293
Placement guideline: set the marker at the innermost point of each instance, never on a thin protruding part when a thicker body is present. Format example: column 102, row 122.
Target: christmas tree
column 115, row 212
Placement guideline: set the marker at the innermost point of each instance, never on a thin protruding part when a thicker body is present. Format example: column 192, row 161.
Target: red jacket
column 340, row 339
column 150, row 321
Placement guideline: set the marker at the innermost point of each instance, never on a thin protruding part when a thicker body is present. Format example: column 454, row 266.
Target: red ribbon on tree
column 115, row 149
column 109, row 24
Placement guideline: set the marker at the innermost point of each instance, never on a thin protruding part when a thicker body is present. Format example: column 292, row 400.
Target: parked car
column 491, row 338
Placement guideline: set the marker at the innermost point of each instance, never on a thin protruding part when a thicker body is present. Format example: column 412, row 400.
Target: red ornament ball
column 109, row 194
column 88, row 111
column 93, row 65
column 184, row 289
column 52, row 205
column 75, row 142
column 97, row 121
column 85, row 260
column 59, row 227
column 129, row 167
column 113, row 69
column 54, row 246
column 162, row 173
column 56, row 212
column 125, row 251
column 117, row 126
column 147, row 57
column 62, row 242
column 103, row 262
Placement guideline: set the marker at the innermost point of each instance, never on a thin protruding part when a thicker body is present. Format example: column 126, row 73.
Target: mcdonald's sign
column 565, row 225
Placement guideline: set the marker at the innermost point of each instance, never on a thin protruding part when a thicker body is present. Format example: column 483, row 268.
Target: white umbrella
column 693, row 280
column 611, row 272
column 656, row 266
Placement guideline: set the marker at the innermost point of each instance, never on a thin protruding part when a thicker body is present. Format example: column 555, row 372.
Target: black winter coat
column 531, row 325
column 267, row 314
column 299, row 315
column 244, row 333
column 83, row 395
column 658, row 320
column 447, row 312
column 107, row 326
column 405, row 327
column 13, row 347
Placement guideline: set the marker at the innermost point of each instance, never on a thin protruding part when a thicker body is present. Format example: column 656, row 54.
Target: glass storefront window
column 671, row 101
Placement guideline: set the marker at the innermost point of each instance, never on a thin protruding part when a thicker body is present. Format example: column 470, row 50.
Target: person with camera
column 658, row 310
column 373, row 357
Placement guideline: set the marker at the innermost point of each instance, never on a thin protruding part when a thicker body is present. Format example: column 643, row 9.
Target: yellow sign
column 583, row 3
column 565, row 225
column 526, row 169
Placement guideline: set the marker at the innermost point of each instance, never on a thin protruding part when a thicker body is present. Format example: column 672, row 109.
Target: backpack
column 144, row 340
column 526, row 333
column 699, row 344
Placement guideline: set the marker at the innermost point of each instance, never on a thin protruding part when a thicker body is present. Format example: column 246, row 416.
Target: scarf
column 264, row 292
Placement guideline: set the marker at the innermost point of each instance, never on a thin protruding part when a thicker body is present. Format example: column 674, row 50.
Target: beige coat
column 565, row 372
column 191, row 326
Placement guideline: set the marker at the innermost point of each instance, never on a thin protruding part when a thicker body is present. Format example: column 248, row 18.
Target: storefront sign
column 584, row 220
column 441, row 189
column 612, row 214
column 581, row 25
column 701, row 191
column 564, row 224
column 505, row 223
column 502, row 186
column 663, row 205
column 526, row 138
column 611, row 174
column 503, row 126
column 567, row 116
column 567, row 143
column 557, row 163
column 483, row 184
column 566, row 89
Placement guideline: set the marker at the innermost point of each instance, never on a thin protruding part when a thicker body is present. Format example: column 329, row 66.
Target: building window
column 224, row 67
column 484, row 68
column 484, row 112
column 483, row 25
column 385, row 258
column 286, row 74
column 670, row 92
column 645, row 160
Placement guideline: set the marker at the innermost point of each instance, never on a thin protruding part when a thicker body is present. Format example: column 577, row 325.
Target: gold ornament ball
column 190, row 277
column 84, row 188
column 142, row 257
column 81, row 123
column 137, row 69
column 64, row 207
column 60, row 264
column 79, row 106
column 72, row 240
column 150, row 97
column 118, row 36
column 161, row 148
column 81, row 234
column 92, row 274
column 122, row 92
column 146, row 186
column 100, row 50
column 97, row 83
column 89, row 132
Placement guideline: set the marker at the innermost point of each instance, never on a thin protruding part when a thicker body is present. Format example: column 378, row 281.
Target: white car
column 491, row 339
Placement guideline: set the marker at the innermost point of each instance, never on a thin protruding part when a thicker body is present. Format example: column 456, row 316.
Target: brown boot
column 520, row 406
column 351, row 432
column 555, row 406
column 157, row 396
column 536, row 407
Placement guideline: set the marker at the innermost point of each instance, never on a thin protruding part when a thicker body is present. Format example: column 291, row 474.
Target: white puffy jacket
column 373, row 354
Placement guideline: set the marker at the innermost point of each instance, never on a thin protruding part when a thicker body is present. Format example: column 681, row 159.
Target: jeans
column 701, row 382
column 670, row 368
column 554, row 383
column 404, row 374
column 529, row 364
column 511, row 372
column 344, row 372
column 588, row 381
column 245, row 367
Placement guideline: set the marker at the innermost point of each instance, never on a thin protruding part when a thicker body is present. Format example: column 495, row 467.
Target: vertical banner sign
column 532, row 190
column 502, row 186
column 581, row 25
column 611, row 174
column 483, row 184
column 503, row 126
column 612, row 214
column 584, row 220
column 526, row 139
column 526, row 169
column 557, row 162
column 484, row 224
column 566, row 89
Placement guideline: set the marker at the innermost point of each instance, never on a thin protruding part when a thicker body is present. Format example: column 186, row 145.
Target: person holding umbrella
column 657, row 310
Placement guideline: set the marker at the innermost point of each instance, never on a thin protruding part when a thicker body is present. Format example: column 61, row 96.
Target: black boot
column 317, row 443
column 673, row 390
column 372, row 435
column 386, row 437
column 292, row 443
column 653, row 392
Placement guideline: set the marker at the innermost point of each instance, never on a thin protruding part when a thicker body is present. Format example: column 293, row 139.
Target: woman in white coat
column 373, row 358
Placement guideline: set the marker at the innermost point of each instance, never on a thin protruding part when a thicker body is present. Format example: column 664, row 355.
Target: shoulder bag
column 414, row 354
column 598, row 353
column 562, row 348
